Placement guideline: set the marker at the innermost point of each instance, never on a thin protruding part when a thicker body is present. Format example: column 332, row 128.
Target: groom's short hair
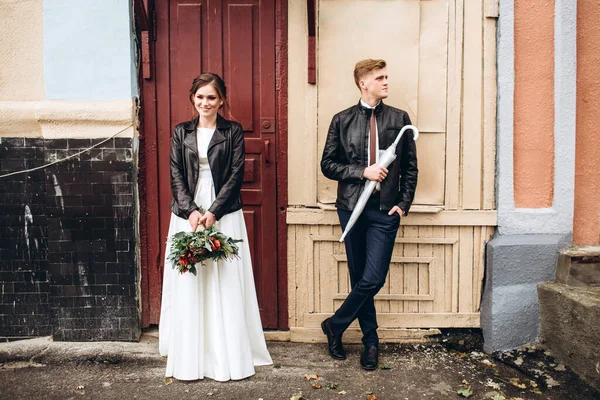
column 363, row 67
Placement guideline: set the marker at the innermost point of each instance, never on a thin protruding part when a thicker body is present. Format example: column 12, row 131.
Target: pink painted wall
column 586, row 223
column 534, row 104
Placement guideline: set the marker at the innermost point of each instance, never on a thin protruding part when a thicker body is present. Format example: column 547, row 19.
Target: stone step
column 579, row 266
column 570, row 327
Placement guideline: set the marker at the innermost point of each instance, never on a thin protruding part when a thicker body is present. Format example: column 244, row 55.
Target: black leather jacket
column 226, row 154
column 345, row 156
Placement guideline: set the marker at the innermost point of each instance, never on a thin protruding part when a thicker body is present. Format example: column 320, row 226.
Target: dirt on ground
column 453, row 367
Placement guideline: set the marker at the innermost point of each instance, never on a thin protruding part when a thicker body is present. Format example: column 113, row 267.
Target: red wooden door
column 235, row 39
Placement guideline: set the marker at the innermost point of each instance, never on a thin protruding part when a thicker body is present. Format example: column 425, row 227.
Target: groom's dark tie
column 373, row 139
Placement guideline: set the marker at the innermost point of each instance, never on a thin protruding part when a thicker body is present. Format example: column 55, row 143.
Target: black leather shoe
column 336, row 348
column 369, row 359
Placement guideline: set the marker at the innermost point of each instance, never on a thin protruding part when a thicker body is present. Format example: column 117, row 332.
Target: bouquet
column 191, row 248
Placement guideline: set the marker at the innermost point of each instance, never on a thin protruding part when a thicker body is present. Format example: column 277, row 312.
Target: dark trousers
column 369, row 247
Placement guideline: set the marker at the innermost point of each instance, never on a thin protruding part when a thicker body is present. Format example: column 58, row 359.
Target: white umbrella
column 385, row 159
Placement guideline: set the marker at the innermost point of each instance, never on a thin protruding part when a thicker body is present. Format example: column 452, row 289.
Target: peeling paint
column 28, row 220
column 82, row 274
column 58, row 192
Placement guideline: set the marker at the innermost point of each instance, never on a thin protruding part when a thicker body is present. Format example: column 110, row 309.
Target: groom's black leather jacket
column 345, row 156
column 226, row 154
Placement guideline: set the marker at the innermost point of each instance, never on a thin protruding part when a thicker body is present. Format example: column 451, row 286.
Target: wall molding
column 54, row 119
column 314, row 216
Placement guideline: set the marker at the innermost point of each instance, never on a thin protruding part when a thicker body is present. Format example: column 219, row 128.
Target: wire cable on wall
column 68, row 157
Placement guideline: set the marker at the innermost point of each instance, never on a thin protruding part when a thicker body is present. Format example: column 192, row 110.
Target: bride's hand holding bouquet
column 205, row 242
column 201, row 217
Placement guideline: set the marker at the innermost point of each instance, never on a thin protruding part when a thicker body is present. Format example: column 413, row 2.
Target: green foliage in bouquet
column 191, row 248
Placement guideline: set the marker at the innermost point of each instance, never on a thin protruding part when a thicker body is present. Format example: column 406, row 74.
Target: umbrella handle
column 404, row 128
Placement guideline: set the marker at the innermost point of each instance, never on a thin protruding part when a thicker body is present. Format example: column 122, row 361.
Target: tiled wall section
column 25, row 308
column 67, row 267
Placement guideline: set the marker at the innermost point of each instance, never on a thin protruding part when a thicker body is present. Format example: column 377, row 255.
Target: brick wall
column 24, row 287
column 79, row 283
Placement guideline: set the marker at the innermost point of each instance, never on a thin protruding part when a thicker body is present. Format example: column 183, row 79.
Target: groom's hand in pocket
column 396, row 209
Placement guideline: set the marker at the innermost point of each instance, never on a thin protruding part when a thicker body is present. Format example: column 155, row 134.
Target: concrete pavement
column 452, row 364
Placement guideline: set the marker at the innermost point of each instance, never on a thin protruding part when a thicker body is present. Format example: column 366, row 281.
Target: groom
column 350, row 157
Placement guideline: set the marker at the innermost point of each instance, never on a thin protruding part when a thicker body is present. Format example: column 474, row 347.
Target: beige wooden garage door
column 441, row 66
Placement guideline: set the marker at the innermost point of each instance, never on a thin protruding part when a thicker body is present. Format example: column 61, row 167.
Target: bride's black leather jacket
column 226, row 154
column 345, row 156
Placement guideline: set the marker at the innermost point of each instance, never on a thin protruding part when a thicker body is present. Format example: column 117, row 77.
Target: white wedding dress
column 210, row 323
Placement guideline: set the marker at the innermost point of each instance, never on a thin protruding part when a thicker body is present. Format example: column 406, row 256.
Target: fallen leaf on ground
column 368, row 392
column 537, row 391
column 384, row 366
column 465, row 392
column 343, row 392
column 316, row 385
column 330, row 385
column 493, row 385
column 516, row 382
column 308, row 377
column 551, row 382
column 488, row 363
column 371, row 397
column 498, row 397
column 168, row 381
column 560, row 367
column 297, row 396
column 519, row 361
column 464, row 382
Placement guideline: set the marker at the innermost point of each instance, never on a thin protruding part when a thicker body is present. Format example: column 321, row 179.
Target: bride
column 210, row 323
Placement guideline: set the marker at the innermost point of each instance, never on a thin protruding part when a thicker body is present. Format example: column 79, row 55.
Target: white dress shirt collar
column 362, row 103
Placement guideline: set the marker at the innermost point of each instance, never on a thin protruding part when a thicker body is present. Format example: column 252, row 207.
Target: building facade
column 503, row 94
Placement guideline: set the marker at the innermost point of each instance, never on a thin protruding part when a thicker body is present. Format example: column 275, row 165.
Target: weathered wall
column 68, row 230
column 586, row 229
column 67, row 244
column 21, row 61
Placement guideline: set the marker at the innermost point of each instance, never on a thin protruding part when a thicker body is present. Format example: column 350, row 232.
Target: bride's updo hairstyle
column 208, row 78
